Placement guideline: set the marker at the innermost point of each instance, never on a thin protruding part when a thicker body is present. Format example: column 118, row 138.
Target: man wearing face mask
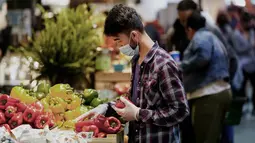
column 157, row 94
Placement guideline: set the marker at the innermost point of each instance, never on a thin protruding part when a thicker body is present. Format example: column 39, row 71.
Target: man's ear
column 134, row 35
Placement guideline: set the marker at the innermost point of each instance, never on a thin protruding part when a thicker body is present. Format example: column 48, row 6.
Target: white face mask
column 128, row 50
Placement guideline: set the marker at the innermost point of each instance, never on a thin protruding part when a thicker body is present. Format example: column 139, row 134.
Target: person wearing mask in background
column 235, row 112
column 185, row 8
column 205, row 68
column 234, row 14
column 244, row 44
column 157, row 94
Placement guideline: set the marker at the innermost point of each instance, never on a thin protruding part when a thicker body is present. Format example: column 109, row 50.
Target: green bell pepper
column 89, row 95
column 43, row 88
column 40, row 95
column 95, row 102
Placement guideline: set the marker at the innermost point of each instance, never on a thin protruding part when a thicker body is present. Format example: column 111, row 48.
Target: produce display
column 14, row 113
column 58, row 106
column 100, row 126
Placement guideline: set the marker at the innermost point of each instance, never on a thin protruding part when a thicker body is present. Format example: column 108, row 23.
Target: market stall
column 59, row 114
column 39, row 105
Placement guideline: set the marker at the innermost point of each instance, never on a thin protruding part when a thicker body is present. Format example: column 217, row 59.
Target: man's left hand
column 130, row 112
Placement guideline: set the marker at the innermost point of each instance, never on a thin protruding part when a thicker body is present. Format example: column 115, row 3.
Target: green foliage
column 66, row 48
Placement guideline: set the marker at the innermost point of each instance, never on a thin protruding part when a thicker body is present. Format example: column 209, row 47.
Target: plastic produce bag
column 101, row 109
column 5, row 136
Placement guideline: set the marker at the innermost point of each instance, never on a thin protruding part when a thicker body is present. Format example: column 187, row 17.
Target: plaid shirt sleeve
column 172, row 91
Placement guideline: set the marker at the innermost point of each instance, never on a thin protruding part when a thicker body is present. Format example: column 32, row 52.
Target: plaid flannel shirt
column 161, row 97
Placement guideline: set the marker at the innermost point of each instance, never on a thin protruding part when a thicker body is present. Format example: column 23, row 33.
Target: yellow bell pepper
column 59, row 123
column 20, row 93
column 57, row 105
column 68, row 125
column 81, row 110
column 59, row 117
column 73, row 101
column 45, row 103
column 61, row 90
column 70, row 115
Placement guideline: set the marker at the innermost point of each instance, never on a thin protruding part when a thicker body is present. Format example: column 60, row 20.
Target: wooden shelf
column 107, row 80
column 113, row 76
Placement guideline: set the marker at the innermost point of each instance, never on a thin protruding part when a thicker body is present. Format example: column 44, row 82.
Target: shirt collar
column 149, row 55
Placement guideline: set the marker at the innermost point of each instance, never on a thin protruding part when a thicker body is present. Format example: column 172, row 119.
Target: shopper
column 176, row 38
column 185, row 8
column 205, row 68
column 159, row 102
column 238, row 99
column 244, row 44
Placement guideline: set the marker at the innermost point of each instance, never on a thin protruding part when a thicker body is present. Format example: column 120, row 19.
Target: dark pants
column 186, row 127
column 227, row 134
column 208, row 116
column 251, row 77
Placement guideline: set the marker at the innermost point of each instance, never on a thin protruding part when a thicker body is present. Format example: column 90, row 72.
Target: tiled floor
column 245, row 132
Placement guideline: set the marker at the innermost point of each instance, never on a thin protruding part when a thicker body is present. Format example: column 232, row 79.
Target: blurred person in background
column 185, row 8
column 234, row 15
column 5, row 30
column 155, row 31
column 157, row 94
column 176, row 38
column 244, row 46
column 152, row 31
column 235, row 112
column 205, row 68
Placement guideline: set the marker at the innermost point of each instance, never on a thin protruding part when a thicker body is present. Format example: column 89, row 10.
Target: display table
column 107, row 80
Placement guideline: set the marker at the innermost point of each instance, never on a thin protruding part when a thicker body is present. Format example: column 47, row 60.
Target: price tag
column 86, row 135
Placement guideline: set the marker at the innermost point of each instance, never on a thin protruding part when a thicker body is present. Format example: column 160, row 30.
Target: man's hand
column 130, row 112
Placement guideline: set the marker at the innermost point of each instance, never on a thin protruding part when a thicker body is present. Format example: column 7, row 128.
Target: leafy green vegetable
column 66, row 48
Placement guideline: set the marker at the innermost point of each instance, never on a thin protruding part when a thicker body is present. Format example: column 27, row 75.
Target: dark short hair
column 245, row 17
column 196, row 21
column 122, row 19
column 187, row 5
column 222, row 19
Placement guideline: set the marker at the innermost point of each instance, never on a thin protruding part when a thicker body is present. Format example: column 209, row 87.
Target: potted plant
column 66, row 48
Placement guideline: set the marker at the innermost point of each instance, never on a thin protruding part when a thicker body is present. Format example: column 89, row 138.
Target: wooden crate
column 111, row 138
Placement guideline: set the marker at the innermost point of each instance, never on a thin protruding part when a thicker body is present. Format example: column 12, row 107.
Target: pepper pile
column 14, row 113
column 90, row 98
column 64, row 104
column 100, row 126
column 60, row 100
